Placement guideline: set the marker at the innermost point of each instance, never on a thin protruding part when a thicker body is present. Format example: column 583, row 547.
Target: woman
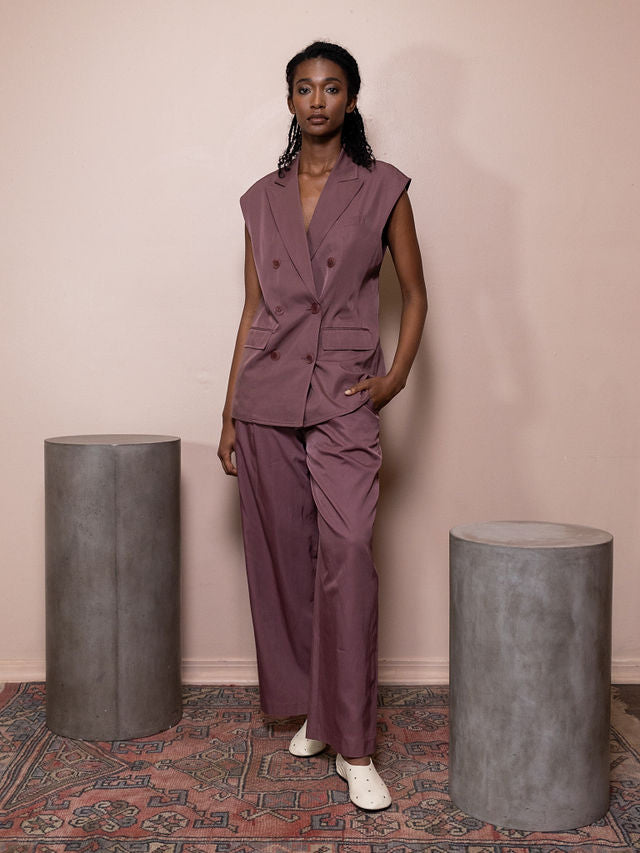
column 306, row 384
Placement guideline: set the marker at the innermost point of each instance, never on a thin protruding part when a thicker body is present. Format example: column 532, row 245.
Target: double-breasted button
column 308, row 358
column 315, row 308
column 276, row 263
column 275, row 355
column 331, row 262
column 279, row 309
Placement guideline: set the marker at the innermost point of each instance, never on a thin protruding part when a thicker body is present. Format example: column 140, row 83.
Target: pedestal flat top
column 531, row 534
column 114, row 440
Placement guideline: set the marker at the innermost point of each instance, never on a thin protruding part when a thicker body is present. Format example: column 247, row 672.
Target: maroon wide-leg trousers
column 308, row 500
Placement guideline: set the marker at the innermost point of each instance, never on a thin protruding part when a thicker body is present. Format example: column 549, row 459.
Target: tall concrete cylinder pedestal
column 112, row 533
column 530, row 672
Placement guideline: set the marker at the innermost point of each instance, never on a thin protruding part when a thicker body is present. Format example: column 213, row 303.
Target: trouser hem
column 345, row 746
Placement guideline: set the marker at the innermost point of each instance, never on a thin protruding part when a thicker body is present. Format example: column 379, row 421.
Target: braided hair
column 354, row 140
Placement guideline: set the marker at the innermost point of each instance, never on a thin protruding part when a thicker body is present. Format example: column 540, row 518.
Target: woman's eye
column 303, row 90
column 332, row 90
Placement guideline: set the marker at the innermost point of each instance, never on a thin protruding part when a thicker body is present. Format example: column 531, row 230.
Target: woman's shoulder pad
column 260, row 184
column 383, row 169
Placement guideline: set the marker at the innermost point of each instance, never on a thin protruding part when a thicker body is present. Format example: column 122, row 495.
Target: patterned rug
column 223, row 781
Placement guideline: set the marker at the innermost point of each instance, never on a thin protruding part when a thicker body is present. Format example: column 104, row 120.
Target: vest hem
column 252, row 419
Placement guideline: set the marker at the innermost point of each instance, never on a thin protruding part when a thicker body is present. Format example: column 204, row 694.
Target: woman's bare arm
column 252, row 297
column 403, row 245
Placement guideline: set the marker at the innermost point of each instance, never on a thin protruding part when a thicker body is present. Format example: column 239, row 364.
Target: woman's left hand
column 381, row 389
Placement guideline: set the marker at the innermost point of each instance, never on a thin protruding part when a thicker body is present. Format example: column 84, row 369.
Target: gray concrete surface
column 530, row 652
column 112, row 534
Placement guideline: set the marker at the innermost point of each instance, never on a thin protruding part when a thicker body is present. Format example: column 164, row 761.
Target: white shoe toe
column 303, row 746
column 366, row 788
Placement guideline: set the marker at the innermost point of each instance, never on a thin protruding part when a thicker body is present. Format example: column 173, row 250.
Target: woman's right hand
column 227, row 446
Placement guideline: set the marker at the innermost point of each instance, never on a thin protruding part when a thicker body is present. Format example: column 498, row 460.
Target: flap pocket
column 257, row 338
column 345, row 338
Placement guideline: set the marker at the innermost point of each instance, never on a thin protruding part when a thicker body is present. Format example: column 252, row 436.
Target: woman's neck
column 319, row 156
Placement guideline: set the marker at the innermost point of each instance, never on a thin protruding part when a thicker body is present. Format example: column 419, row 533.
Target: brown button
column 331, row 262
column 276, row 263
column 275, row 355
column 279, row 309
column 308, row 358
column 315, row 308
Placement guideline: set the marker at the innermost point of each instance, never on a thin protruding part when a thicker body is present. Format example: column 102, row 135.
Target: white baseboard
column 199, row 671
column 22, row 670
column 413, row 671
column 244, row 671
column 625, row 671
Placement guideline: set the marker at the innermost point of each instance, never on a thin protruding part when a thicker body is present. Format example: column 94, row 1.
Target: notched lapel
column 342, row 186
column 284, row 201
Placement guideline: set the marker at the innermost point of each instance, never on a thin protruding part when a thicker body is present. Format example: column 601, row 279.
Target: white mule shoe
column 366, row 788
column 302, row 745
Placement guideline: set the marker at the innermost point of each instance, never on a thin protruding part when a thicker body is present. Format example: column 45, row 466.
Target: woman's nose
column 318, row 101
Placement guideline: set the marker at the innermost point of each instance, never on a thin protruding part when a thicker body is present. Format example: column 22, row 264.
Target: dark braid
column 354, row 140
column 294, row 143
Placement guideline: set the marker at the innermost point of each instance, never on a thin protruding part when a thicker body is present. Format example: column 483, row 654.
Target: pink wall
column 129, row 130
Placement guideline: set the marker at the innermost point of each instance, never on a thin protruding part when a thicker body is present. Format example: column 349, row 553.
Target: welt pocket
column 257, row 338
column 347, row 338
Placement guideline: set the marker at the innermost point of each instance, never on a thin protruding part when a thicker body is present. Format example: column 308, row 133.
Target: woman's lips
column 317, row 119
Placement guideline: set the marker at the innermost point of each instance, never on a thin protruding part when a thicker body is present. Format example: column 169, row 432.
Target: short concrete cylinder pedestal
column 112, row 521
column 530, row 672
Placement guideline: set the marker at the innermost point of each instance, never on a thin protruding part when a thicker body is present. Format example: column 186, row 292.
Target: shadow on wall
column 474, row 368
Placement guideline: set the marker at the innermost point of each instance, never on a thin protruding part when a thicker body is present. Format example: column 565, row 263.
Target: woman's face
column 320, row 97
